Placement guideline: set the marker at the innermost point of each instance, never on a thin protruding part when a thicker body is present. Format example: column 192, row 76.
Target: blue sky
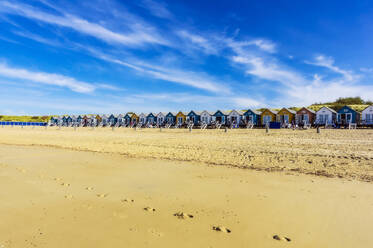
column 107, row 56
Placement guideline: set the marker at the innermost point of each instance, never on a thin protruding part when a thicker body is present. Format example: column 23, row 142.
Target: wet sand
column 62, row 198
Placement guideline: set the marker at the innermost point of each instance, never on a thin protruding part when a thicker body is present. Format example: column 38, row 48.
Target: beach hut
column 171, row 118
column 70, row 120
column 180, row 118
column 252, row 116
column 286, row 116
column 134, row 118
column 194, row 117
column 161, row 118
column 267, row 116
column 305, row 116
column 326, row 116
column 367, row 115
column 142, row 118
column 151, row 118
column 54, row 121
column 98, row 120
column 79, row 120
column 235, row 117
column 104, row 120
column 85, row 120
column 347, row 115
column 112, row 120
column 120, row 120
column 220, row 116
column 127, row 118
column 206, row 117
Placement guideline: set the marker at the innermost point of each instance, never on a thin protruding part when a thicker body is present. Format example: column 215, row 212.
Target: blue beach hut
column 151, row 118
column 171, row 118
column 252, row 116
column 347, row 115
column 220, row 116
column 194, row 116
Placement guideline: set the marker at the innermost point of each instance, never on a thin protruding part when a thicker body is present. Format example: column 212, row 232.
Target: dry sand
column 333, row 153
column 63, row 198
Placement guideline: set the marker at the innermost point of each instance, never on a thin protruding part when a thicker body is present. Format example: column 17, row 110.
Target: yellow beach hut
column 134, row 118
column 268, row 115
column 180, row 118
column 286, row 116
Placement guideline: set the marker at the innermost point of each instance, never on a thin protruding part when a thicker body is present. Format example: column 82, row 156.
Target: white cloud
column 157, row 9
column 256, row 66
column 245, row 102
column 200, row 42
column 46, row 78
column 189, row 78
column 139, row 34
column 328, row 62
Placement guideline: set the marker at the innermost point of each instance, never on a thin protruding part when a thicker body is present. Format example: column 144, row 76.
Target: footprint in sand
column 181, row 215
column 57, row 179
column 149, row 209
column 281, row 238
column 65, row 184
column 120, row 215
column 128, row 200
column 69, row 196
column 89, row 188
column 221, row 229
column 102, row 195
column 155, row 232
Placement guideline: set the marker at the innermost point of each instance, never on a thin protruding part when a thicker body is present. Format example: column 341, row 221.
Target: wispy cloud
column 137, row 33
column 328, row 62
column 199, row 42
column 157, row 8
column 46, row 78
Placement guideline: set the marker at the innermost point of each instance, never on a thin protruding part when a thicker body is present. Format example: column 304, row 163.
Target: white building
column 206, row 117
column 235, row 116
column 367, row 115
column 142, row 118
column 325, row 115
column 161, row 118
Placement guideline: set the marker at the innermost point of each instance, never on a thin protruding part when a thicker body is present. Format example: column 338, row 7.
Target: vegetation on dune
column 24, row 118
column 355, row 103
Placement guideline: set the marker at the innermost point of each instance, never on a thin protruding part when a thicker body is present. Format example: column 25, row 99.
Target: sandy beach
column 146, row 188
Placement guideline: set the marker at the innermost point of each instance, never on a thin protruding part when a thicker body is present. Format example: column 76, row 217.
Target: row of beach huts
column 304, row 117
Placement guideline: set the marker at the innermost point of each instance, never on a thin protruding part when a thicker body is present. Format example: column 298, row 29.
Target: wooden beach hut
column 112, row 120
column 70, row 120
column 127, row 118
column 98, row 120
column 79, row 120
column 326, row 116
column 220, row 116
column 252, row 116
column 120, row 120
column 151, row 118
column 104, row 120
column 194, row 117
column 305, row 116
column 347, row 115
column 171, row 118
column 267, row 116
column 142, row 118
column 286, row 116
column 235, row 117
column 367, row 115
column 134, row 118
column 161, row 118
column 206, row 117
column 180, row 118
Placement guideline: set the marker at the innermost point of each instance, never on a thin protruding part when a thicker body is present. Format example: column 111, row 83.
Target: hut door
column 348, row 117
column 305, row 119
column 218, row 119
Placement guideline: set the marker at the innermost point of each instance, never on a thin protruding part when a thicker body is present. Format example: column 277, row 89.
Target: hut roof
column 331, row 110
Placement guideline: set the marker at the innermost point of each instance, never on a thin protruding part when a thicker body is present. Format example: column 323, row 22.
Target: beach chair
column 249, row 125
column 352, row 126
column 203, row 125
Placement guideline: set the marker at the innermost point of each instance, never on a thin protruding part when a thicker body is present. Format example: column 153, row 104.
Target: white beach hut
column 161, row 118
column 206, row 117
column 142, row 118
column 326, row 116
column 235, row 116
column 367, row 115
